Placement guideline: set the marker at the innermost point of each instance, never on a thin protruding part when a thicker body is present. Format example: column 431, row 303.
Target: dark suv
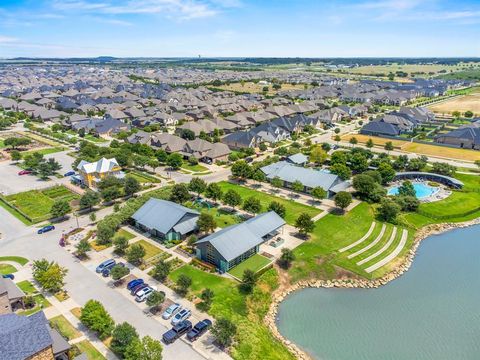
column 199, row 329
column 178, row 330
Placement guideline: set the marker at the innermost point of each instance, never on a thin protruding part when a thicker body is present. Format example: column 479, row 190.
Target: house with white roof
column 91, row 173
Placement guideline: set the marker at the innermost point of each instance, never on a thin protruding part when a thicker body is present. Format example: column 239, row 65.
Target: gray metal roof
column 161, row 215
column 298, row 158
column 234, row 240
column 308, row 177
column 419, row 174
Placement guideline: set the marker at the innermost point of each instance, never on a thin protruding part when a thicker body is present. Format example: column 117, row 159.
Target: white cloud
column 7, row 39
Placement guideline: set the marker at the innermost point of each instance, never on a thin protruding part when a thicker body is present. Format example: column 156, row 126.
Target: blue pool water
column 421, row 190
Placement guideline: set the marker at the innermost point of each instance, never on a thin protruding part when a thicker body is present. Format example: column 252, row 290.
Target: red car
column 25, row 172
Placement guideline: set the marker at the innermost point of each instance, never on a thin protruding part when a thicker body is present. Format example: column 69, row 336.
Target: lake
column 432, row 312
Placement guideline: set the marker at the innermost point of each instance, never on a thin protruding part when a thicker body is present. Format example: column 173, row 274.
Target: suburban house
column 166, row 220
column 298, row 159
column 230, row 246
column 11, row 297
column 309, row 178
column 91, row 173
column 467, row 137
column 30, row 337
column 379, row 128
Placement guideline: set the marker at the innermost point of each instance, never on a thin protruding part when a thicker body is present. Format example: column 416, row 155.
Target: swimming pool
column 422, row 190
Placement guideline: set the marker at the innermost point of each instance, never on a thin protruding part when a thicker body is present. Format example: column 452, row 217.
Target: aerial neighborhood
column 165, row 208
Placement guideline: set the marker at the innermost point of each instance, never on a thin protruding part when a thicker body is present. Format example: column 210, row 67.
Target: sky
column 239, row 28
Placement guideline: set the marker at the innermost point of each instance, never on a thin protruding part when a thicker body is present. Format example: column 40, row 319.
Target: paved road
column 82, row 283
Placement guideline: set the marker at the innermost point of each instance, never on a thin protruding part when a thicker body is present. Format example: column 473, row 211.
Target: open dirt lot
column 251, row 87
column 463, row 103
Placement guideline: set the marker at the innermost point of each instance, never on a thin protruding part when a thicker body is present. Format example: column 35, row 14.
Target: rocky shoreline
column 281, row 294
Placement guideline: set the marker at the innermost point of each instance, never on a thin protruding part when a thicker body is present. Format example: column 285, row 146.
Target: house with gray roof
column 11, row 297
column 232, row 245
column 465, row 137
column 166, row 220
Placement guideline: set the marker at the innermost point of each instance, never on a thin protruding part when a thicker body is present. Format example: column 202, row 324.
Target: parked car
column 137, row 288
column 106, row 271
column 134, row 283
column 69, row 173
column 105, row 264
column 199, row 329
column 180, row 316
column 170, row 311
column 46, row 229
column 207, row 161
column 178, row 330
column 143, row 294
column 8, row 276
column 25, row 172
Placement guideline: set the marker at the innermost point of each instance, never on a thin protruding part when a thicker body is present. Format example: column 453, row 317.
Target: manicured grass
column 194, row 168
column 7, row 269
column 122, row 232
column 94, row 139
column 254, row 263
column 18, row 259
column 27, row 287
column 222, row 218
column 143, row 178
column 293, row 209
column 253, row 340
column 86, row 347
column 46, row 151
column 150, row 249
column 64, row 327
column 456, row 205
column 16, row 214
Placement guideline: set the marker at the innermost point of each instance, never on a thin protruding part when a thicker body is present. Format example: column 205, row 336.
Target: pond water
column 422, row 190
column 431, row 313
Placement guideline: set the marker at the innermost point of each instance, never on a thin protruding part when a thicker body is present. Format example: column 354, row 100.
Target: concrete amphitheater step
column 382, row 250
column 372, row 244
column 392, row 255
column 365, row 237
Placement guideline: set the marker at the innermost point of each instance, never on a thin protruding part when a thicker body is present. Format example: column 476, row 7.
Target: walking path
column 365, row 237
column 391, row 256
column 372, row 244
column 382, row 250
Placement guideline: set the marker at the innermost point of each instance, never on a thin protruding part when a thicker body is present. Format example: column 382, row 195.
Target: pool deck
column 441, row 193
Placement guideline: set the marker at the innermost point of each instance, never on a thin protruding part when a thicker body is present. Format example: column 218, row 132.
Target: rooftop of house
column 101, row 166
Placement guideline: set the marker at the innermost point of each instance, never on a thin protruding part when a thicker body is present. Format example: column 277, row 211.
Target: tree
column 161, row 270
column 277, row 182
column 318, row 193
column 135, row 254
column 353, row 141
column 337, row 139
column 16, row 142
column 358, row 162
column 50, row 275
column 155, row 299
column 388, row 210
column 16, row 155
column 92, row 217
column 259, row 176
column 214, row 192
column 387, row 172
column 83, row 247
column 318, row 155
column 249, row 280
column 444, row 169
column 369, row 144
column 232, row 198
column 161, row 155
column 119, row 271
column 406, row 189
column 120, row 244
column 343, row 199
column 286, row 258
column 342, row 170
column 477, row 162
column 224, row 330
column 89, row 199
column 105, row 232
column 297, row 186
column 187, row 134
column 368, row 189
column 153, row 163
column 110, row 193
column 388, row 146
column 197, row 185
column 278, row 208
column 131, row 186
column 183, row 283
column 468, row 114
column 337, row 131
column 252, row 205
column 407, row 203
column 145, row 349
column 122, row 336
column 179, row 193
column 206, row 223
column 456, row 114
column 304, row 224
column 207, row 296
column 241, row 169
column 60, row 208
column 96, row 318
column 44, row 170
column 175, row 161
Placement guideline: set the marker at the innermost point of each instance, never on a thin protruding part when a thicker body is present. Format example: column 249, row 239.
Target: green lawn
column 92, row 353
column 254, row 340
column 64, row 327
column 194, row 168
column 94, row 139
column 150, row 250
column 126, row 234
column 143, row 178
column 293, row 209
column 46, row 151
column 222, row 218
column 7, row 269
column 18, row 259
column 28, row 288
column 254, row 263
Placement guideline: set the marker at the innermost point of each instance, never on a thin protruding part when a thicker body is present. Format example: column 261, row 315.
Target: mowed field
column 408, row 68
column 421, row 149
column 252, row 88
column 462, row 103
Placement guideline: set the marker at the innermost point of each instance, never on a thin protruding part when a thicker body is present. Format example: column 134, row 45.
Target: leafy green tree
column 83, row 247
column 92, row 217
column 60, row 208
column 343, row 199
column 468, row 114
column 368, row 189
column 161, row 155
column 232, row 198
column 358, row 162
column 16, row 142
column 122, row 336
column 342, row 170
column 241, row 169
column 175, row 161
column 50, row 275
column 131, row 186
column 206, row 223
column 388, row 210
column 89, row 200
column 183, row 283
column 224, row 330
column 280, row 209
column 297, row 186
column 16, row 155
column 369, row 144
column 207, row 296
column 145, row 349
column 120, row 244
column 179, row 193
column 353, row 141
column 197, row 185
column 248, row 281
column 252, row 205
column 277, row 182
column 407, row 203
column 153, row 163
column 214, row 192
column 444, row 169
column 155, row 299
column 318, row 193
column 96, row 318
column 105, row 232
column 388, row 146
column 286, row 258
column 318, row 155
column 304, row 224
column 161, row 270
column 135, row 254
column 119, row 271
column 387, row 172
column 406, row 189
column 259, row 176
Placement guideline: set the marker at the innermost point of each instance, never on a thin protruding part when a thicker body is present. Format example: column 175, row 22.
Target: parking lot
column 12, row 183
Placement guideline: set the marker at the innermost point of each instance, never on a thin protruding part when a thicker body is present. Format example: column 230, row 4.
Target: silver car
column 180, row 316
column 170, row 311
